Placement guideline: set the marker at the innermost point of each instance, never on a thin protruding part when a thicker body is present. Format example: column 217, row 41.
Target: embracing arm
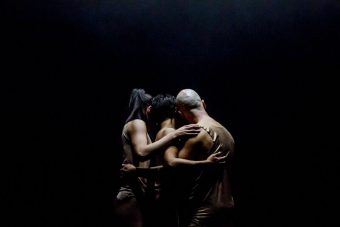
column 171, row 156
column 141, row 172
column 171, row 159
column 138, row 135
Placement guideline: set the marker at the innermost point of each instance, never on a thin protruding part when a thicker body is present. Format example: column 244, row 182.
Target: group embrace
column 176, row 168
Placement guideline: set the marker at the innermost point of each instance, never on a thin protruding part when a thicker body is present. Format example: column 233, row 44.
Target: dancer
column 137, row 146
column 206, row 198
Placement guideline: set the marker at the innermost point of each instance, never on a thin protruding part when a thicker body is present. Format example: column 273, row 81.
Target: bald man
column 206, row 193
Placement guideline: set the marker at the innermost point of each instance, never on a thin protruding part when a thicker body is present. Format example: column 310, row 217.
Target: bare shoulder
column 166, row 131
column 136, row 123
column 202, row 140
column 195, row 147
column 135, row 126
column 163, row 132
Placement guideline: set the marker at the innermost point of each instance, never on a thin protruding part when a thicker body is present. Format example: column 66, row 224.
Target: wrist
column 175, row 135
column 176, row 138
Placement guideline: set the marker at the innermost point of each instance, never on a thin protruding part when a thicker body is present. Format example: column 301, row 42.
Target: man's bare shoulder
column 203, row 139
column 196, row 147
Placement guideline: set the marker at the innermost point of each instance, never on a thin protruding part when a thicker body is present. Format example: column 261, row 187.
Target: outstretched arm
column 171, row 155
column 171, row 159
column 142, row 172
column 138, row 135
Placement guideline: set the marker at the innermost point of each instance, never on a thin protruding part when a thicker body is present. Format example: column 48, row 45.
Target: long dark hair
column 139, row 100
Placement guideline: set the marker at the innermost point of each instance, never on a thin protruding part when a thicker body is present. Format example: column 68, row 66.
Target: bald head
column 188, row 99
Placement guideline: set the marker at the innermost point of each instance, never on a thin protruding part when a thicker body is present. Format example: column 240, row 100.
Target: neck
column 198, row 115
column 168, row 123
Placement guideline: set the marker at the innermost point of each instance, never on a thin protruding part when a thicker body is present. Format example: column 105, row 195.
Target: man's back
column 208, row 190
column 211, row 185
column 207, row 197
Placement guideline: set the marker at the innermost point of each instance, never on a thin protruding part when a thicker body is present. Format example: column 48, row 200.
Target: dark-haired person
column 138, row 147
column 163, row 113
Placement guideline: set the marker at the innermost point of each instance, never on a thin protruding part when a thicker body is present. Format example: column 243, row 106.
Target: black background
column 266, row 70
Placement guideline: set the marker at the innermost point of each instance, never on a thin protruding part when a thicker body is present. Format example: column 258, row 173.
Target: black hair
column 139, row 100
column 162, row 107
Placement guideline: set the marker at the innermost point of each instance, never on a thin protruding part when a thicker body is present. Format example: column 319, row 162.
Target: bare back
column 210, row 186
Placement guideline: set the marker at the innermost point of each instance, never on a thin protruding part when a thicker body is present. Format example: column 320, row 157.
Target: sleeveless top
column 132, row 186
column 210, row 186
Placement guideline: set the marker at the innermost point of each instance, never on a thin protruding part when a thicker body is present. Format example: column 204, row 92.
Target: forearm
column 149, row 172
column 179, row 162
column 159, row 145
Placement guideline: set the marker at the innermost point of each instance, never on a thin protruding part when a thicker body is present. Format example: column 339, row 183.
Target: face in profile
column 179, row 120
column 147, row 105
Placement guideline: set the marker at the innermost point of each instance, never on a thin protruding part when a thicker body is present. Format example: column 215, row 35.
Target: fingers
column 125, row 167
column 191, row 126
column 222, row 158
column 218, row 148
column 126, row 161
column 216, row 154
column 194, row 126
column 189, row 133
column 192, row 132
column 191, row 129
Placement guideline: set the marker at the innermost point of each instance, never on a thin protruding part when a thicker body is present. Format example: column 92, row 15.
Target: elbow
column 172, row 163
column 142, row 155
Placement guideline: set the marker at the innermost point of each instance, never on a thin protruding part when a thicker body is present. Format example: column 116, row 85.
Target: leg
column 208, row 217
column 127, row 212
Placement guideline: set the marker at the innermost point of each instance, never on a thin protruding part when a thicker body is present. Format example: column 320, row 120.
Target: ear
column 148, row 109
column 204, row 104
